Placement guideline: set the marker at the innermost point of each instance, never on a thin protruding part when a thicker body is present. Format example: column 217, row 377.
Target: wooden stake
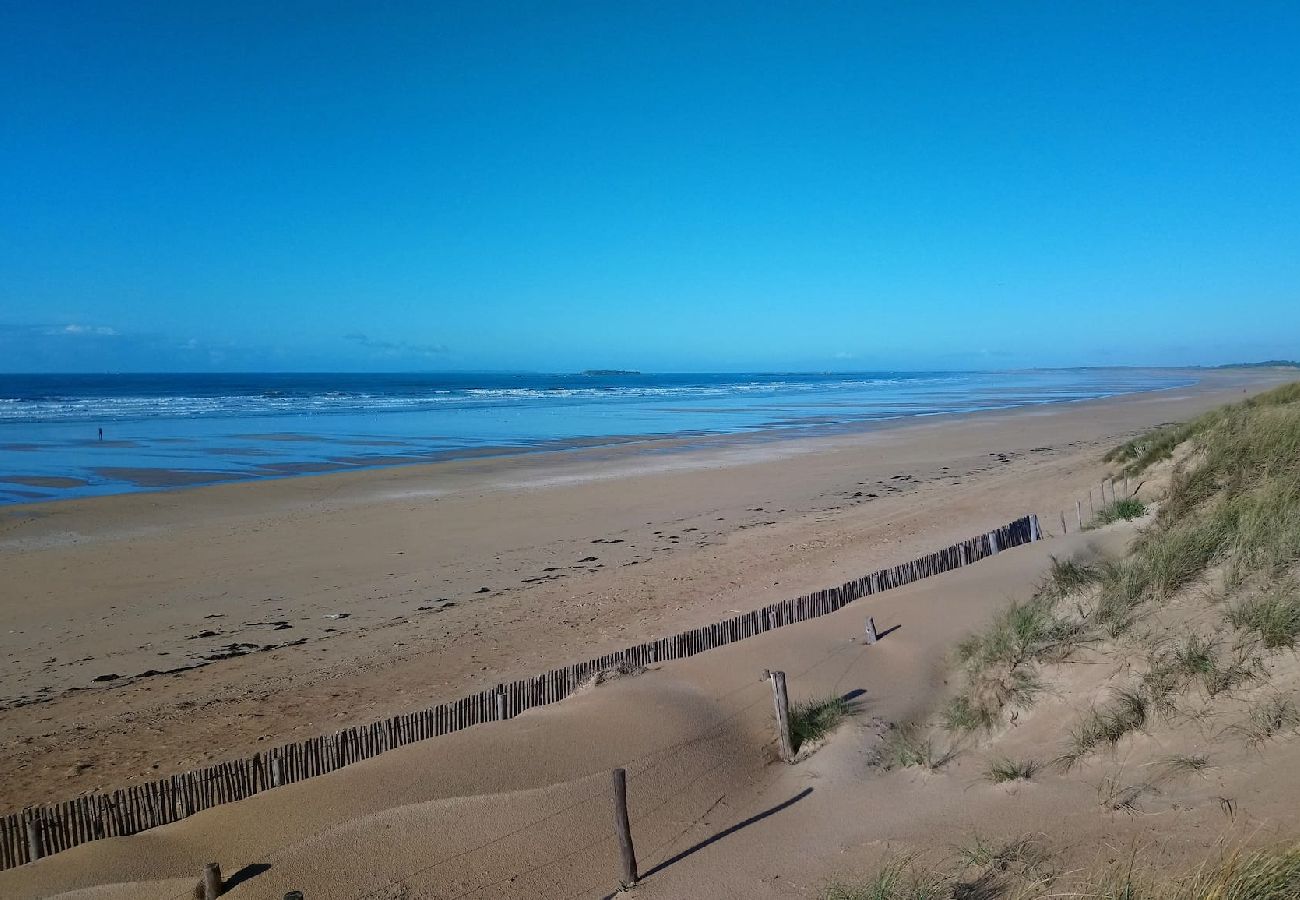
column 211, row 881
column 624, row 829
column 35, row 846
column 872, row 637
column 993, row 542
column 1064, row 530
column 1078, row 511
column 782, row 716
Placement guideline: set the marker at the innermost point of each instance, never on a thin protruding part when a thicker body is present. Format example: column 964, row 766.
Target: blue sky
column 666, row 187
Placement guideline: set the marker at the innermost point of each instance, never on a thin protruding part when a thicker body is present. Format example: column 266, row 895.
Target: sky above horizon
column 653, row 186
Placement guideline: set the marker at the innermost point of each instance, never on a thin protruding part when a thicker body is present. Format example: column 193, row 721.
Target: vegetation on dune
column 1001, row 662
column 1270, row 717
column 1022, row 870
column 1193, row 615
column 908, row 747
column 1273, row 615
column 1004, row 770
column 1142, row 452
column 1125, row 508
column 812, row 720
column 1126, row 712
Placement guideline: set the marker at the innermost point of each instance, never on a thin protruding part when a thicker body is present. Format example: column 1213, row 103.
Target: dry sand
column 681, row 536
column 521, row 809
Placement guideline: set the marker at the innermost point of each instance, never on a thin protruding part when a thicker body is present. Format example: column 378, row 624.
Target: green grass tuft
column 1273, row 615
column 965, row 714
column 899, row 880
column 1003, row 770
column 1068, row 577
column 1127, row 712
column 811, row 720
column 907, row 747
column 1125, row 509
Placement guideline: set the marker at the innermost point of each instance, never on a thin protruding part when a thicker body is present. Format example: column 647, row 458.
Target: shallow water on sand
column 167, row 431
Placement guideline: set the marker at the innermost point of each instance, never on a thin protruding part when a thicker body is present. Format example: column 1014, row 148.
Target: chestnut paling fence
column 39, row 831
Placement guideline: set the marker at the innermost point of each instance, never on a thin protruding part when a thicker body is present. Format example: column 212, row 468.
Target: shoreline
column 330, row 600
column 696, row 446
column 216, row 461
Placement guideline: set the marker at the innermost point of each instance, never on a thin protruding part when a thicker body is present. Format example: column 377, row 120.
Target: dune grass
column 1066, row 577
column 1105, row 726
column 812, row 720
column 1184, row 763
column 1001, row 661
column 908, row 747
column 1269, row 717
column 1273, row 615
column 1236, row 500
column 1195, row 660
column 1125, row 509
column 988, row 872
column 901, row 879
column 1003, row 770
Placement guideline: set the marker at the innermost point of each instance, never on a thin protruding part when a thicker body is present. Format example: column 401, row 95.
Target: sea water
column 163, row 431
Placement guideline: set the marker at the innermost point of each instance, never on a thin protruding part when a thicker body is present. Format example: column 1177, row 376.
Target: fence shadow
column 757, row 817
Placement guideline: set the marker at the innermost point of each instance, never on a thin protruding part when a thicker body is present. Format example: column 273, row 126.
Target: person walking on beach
column 101, row 434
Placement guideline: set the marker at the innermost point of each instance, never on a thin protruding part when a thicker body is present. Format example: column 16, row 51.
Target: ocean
column 163, row 431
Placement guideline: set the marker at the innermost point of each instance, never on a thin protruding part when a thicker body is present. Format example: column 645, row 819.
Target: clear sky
column 705, row 186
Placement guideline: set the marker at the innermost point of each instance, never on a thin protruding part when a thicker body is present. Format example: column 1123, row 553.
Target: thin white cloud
column 75, row 329
column 395, row 348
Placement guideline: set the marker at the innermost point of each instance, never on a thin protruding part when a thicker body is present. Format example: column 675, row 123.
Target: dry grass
column 1268, row 718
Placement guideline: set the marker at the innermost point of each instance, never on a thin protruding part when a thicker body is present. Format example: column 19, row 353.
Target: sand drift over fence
column 40, row 831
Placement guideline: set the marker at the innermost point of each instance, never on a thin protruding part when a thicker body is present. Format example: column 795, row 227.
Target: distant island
column 604, row 373
column 1266, row 364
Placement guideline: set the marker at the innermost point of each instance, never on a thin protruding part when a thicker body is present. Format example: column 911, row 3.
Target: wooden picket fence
column 40, row 831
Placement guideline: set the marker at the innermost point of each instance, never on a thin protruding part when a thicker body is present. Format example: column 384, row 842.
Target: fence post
column 1078, row 511
column 782, row 702
column 624, row 829
column 993, row 543
column 1126, row 493
column 1092, row 507
column 35, row 846
column 501, row 704
column 211, row 881
column 872, row 637
column 1064, row 530
column 1035, row 533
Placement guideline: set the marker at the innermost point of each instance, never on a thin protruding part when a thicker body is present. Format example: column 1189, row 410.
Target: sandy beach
column 145, row 634
column 238, row 616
